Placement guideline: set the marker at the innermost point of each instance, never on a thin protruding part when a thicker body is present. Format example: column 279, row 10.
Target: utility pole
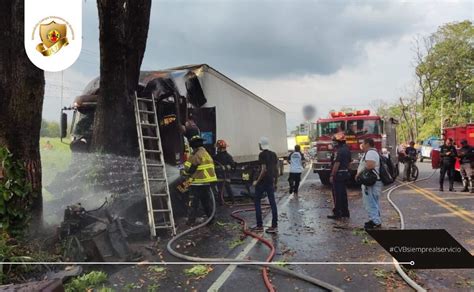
column 441, row 120
column 62, row 88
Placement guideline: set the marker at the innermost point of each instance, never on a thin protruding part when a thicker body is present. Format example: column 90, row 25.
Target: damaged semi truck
column 221, row 108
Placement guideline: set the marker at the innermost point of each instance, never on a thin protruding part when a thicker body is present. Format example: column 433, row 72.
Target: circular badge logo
column 53, row 32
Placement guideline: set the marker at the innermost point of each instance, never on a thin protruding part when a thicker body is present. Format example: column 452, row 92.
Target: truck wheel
column 324, row 177
column 421, row 159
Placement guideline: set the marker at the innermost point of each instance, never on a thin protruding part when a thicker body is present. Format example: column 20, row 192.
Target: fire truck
column 357, row 126
column 457, row 133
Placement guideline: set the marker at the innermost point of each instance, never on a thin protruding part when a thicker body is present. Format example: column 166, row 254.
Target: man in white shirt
column 296, row 168
column 371, row 194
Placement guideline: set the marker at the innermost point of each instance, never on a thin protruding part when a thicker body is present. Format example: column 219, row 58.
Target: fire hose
column 269, row 286
column 400, row 271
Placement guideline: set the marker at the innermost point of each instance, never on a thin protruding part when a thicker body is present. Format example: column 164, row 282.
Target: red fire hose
column 268, row 284
column 266, row 279
column 246, row 231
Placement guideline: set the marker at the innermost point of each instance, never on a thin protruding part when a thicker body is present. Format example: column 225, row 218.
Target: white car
column 428, row 146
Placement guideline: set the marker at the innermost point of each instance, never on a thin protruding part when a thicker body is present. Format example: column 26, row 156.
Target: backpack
column 386, row 171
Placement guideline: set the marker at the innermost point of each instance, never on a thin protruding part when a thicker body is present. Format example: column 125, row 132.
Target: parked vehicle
column 221, row 108
column 357, row 125
column 427, row 147
column 457, row 133
column 304, row 142
column 291, row 142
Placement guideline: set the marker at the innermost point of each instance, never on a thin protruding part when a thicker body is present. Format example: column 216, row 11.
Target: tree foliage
column 444, row 92
column 15, row 202
column 49, row 129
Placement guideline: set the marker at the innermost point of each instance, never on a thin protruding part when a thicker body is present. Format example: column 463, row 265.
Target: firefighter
column 409, row 159
column 224, row 165
column 448, row 155
column 466, row 156
column 339, row 177
column 199, row 168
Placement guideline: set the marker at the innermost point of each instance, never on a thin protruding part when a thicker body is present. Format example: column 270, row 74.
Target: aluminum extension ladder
column 158, row 200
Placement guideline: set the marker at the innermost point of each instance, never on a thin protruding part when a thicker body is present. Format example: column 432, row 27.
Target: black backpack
column 386, row 171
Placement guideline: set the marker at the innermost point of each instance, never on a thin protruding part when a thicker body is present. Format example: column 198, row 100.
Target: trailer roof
column 209, row 69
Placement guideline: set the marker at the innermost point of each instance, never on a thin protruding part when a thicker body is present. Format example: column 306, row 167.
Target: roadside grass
column 53, row 160
column 92, row 281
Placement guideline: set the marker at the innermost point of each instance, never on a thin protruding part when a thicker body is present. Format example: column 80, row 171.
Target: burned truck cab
column 83, row 109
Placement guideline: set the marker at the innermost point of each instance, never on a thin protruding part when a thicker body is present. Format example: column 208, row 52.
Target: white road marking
column 231, row 268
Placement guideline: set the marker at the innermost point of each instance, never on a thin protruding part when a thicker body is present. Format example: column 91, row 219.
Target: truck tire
column 421, row 158
column 324, row 177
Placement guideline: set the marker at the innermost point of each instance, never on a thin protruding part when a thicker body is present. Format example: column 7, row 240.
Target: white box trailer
column 225, row 110
column 241, row 116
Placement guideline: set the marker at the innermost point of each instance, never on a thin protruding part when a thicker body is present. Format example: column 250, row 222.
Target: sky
column 329, row 54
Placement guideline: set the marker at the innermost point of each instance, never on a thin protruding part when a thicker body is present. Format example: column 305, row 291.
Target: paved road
column 425, row 207
column 306, row 235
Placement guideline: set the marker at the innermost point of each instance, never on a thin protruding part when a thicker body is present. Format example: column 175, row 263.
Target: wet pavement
column 306, row 235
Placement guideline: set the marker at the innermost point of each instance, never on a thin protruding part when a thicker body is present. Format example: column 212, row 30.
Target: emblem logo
column 53, row 33
column 53, row 37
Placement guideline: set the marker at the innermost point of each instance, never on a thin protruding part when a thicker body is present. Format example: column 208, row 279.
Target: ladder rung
column 163, row 227
column 154, row 165
column 152, row 151
column 146, row 112
column 151, row 138
column 159, row 195
column 162, row 210
column 144, row 99
column 148, row 125
column 156, row 179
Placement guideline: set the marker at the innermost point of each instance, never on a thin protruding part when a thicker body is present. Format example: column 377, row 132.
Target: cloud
column 268, row 38
column 326, row 53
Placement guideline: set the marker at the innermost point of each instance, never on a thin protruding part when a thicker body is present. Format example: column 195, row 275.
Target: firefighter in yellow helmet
column 200, row 169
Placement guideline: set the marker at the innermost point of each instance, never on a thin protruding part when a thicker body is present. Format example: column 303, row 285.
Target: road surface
column 306, row 235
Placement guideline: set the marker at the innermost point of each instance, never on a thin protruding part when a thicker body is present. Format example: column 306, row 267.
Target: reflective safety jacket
column 200, row 167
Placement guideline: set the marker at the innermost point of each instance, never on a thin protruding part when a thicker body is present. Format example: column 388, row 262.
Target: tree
column 49, row 129
column 445, row 74
column 123, row 28
column 21, row 100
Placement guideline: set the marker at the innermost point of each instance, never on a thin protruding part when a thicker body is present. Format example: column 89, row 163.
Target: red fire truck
column 457, row 133
column 357, row 126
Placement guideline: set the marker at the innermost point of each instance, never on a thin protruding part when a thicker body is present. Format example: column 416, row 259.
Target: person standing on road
column 295, row 159
column 200, row 169
column 409, row 159
column 466, row 156
column 371, row 194
column 266, row 183
column 339, row 177
column 448, row 155
column 224, row 165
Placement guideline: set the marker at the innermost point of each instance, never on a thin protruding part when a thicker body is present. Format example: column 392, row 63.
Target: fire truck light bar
column 349, row 114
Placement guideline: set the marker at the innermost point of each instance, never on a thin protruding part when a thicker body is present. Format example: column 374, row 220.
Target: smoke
column 93, row 179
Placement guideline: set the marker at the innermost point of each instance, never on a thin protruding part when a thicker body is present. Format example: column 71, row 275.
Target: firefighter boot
column 441, row 189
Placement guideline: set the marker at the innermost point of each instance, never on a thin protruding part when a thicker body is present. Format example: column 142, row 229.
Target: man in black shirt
column 409, row 160
column 466, row 156
column 339, row 177
column 448, row 155
column 266, row 183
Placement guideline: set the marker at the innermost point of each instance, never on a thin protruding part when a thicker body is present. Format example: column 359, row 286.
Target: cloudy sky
column 329, row 54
